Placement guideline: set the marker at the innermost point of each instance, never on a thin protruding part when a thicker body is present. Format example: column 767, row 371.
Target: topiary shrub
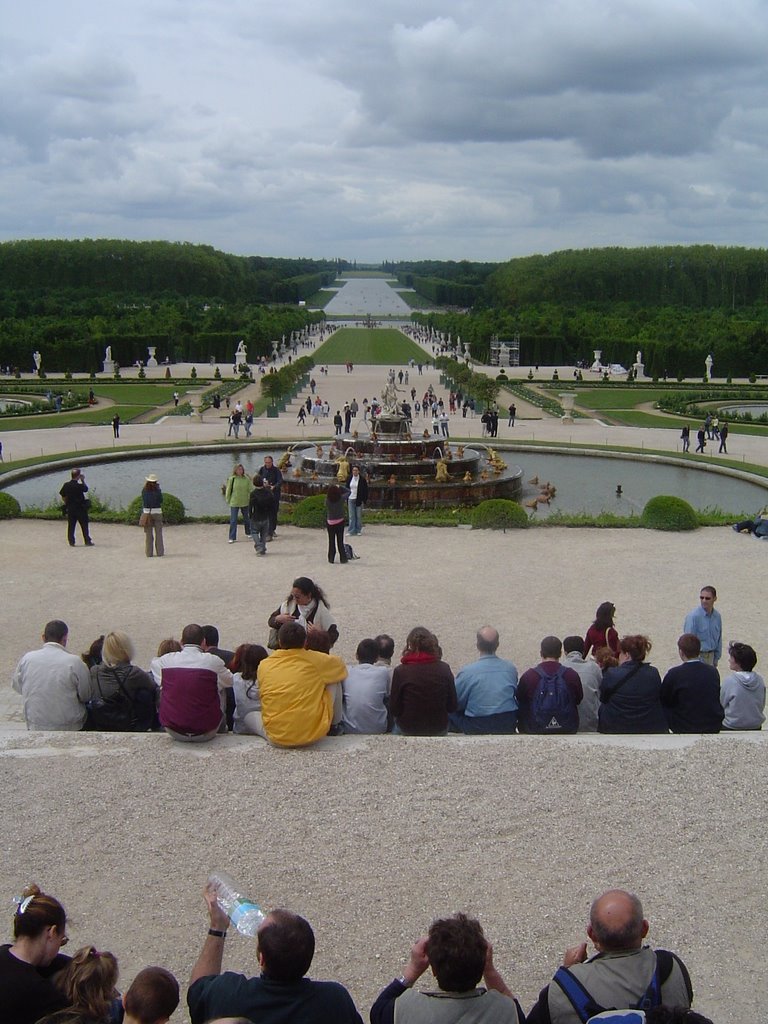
column 499, row 514
column 9, row 507
column 667, row 512
column 310, row 512
column 173, row 510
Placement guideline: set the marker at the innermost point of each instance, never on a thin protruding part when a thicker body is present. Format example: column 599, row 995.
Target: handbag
column 145, row 519
column 111, row 714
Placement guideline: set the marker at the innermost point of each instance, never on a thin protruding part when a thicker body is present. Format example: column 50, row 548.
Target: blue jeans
column 501, row 724
column 355, row 518
column 259, row 533
column 233, row 512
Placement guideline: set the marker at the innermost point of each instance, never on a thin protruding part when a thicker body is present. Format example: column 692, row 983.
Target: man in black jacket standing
column 76, row 505
column 272, row 479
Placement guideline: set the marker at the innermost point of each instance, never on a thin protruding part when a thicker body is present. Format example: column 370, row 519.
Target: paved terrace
column 372, row 837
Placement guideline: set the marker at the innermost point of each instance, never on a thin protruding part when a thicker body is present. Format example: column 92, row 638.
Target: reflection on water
column 584, row 483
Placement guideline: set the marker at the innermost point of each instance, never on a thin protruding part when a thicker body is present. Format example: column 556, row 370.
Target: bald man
column 486, row 690
column 622, row 974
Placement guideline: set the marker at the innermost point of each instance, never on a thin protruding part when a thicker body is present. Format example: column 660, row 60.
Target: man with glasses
column 705, row 623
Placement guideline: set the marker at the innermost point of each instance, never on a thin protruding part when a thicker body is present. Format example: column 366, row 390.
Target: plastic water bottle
column 244, row 914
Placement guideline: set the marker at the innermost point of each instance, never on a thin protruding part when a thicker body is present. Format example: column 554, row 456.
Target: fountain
column 403, row 471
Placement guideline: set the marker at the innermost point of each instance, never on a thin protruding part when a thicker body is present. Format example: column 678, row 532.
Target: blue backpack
column 585, row 1006
column 553, row 708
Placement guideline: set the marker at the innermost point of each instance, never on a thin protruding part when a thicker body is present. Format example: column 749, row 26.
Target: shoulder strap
column 580, row 999
column 557, row 674
column 119, row 682
column 607, row 694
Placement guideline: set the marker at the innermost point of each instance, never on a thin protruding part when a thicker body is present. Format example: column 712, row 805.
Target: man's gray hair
column 487, row 640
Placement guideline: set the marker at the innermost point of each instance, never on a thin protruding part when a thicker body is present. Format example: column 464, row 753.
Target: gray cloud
column 457, row 129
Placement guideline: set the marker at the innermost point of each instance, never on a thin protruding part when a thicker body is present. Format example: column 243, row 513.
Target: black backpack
column 553, row 708
column 349, row 552
column 120, row 712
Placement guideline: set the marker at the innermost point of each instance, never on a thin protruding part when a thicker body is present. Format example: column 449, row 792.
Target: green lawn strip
column 370, row 346
column 364, row 273
column 647, row 419
column 138, row 394
column 615, row 398
column 92, row 416
column 415, row 301
column 320, row 299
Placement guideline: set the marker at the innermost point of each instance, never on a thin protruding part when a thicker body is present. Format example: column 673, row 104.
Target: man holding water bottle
column 286, row 945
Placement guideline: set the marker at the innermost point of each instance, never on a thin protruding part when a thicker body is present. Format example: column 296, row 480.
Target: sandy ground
column 371, row 838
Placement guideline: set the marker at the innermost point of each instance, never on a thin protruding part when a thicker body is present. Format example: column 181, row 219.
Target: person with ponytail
column 29, row 964
column 88, row 983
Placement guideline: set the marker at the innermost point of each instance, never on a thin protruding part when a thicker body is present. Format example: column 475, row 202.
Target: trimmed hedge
column 499, row 514
column 310, row 512
column 173, row 510
column 9, row 507
column 667, row 512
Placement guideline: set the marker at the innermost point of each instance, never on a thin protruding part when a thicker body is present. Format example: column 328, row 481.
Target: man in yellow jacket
column 298, row 689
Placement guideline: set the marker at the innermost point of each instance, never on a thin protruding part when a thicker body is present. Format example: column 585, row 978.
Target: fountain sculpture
column 403, row 471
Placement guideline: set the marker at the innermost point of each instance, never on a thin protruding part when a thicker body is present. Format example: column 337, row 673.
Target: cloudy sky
column 464, row 129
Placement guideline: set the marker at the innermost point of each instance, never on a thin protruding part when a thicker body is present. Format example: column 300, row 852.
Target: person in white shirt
column 591, row 676
column 53, row 683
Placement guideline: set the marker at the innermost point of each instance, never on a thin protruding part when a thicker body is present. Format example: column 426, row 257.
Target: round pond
column 584, row 483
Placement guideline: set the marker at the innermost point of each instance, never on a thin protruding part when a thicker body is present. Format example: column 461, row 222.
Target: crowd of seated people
column 294, row 690
column 625, row 981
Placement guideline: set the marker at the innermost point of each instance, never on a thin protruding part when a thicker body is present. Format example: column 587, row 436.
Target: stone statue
column 708, row 363
column 241, row 355
column 389, row 396
column 108, row 354
column 38, row 359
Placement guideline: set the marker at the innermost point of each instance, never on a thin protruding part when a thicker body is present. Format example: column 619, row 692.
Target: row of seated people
column 625, row 981
column 301, row 692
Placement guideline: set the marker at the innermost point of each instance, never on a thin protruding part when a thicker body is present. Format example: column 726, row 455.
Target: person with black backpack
column 549, row 694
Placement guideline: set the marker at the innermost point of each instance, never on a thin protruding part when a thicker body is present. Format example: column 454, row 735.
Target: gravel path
column 371, row 838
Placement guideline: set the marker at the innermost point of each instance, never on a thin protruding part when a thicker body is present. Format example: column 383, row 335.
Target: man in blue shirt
column 486, row 690
column 705, row 623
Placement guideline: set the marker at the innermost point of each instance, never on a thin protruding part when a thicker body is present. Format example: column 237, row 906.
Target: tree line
column 71, row 300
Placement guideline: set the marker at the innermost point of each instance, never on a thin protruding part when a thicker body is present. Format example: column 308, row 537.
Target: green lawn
column 131, row 401
column 321, row 299
column 615, row 398
column 414, row 300
column 376, row 346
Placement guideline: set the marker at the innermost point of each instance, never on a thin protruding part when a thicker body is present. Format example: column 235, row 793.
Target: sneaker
column 231, row 542
column 735, row 527
column 89, row 543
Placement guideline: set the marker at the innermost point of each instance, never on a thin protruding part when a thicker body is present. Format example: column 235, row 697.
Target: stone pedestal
column 195, row 399
column 151, row 362
column 109, row 366
column 567, row 398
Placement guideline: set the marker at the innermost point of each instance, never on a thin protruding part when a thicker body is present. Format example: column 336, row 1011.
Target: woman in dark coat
column 123, row 696
column 423, row 691
column 630, row 693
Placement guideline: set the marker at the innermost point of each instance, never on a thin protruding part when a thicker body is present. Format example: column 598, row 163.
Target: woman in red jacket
column 423, row 691
column 602, row 632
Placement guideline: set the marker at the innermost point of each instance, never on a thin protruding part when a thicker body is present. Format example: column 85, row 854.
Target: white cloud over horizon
column 458, row 130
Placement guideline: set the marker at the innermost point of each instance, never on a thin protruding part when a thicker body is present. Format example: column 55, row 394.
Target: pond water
column 584, row 483
column 756, row 408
